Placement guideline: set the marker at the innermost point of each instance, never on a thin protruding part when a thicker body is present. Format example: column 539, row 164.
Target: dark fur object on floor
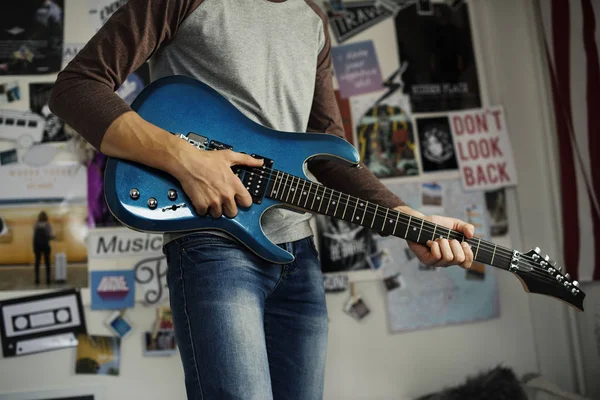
column 499, row 383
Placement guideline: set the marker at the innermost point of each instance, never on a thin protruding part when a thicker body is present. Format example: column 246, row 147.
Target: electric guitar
column 149, row 200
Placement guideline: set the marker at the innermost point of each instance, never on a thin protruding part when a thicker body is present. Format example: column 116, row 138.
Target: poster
column 438, row 47
column 344, row 106
column 101, row 10
column 348, row 19
column 385, row 134
column 344, row 246
column 436, row 143
column 31, row 41
column 420, row 297
column 356, row 68
column 484, row 150
column 98, row 355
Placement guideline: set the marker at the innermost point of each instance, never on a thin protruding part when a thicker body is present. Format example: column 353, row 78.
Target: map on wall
column 421, row 297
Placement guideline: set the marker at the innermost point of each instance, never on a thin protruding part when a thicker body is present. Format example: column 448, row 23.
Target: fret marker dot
column 292, row 189
column 357, row 217
column 333, row 202
column 304, row 193
column 275, row 192
column 361, row 204
column 391, row 220
column 318, row 198
column 414, row 228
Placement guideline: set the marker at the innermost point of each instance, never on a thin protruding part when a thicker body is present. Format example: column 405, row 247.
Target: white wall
column 364, row 360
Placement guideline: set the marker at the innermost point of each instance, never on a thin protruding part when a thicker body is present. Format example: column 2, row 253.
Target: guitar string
column 429, row 226
column 501, row 253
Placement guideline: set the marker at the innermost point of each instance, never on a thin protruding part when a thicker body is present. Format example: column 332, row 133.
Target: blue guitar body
column 189, row 108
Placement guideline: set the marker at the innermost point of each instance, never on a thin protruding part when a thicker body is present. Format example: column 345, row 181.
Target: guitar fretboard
column 314, row 197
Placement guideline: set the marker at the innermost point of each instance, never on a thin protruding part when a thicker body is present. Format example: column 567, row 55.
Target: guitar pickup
column 215, row 145
column 255, row 179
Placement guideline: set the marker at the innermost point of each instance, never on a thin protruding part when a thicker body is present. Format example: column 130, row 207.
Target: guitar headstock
column 539, row 274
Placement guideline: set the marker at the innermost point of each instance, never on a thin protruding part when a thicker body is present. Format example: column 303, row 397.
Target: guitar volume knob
column 152, row 203
column 172, row 194
column 134, row 194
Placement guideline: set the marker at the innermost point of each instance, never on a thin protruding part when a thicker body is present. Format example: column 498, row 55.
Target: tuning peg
column 546, row 257
column 575, row 283
column 567, row 276
column 537, row 250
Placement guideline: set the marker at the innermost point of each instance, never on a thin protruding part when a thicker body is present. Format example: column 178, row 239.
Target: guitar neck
column 314, row 197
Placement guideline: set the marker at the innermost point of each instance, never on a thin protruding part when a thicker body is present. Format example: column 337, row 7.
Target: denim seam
column 189, row 326
column 281, row 276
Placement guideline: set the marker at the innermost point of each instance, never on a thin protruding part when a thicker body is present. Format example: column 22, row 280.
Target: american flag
column 572, row 39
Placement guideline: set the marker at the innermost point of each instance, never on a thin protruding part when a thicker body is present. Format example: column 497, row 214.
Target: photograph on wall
column 54, row 127
column 385, row 134
column 436, row 144
column 98, row 355
column 438, row 47
column 159, row 343
column 42, row 245
column 495, row 202
column 31, row 41
column 9, row 93
column 344, row 246
column 356, row 68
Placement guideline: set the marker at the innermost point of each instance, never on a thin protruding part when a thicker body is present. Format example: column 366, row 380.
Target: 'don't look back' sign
column 483, row 148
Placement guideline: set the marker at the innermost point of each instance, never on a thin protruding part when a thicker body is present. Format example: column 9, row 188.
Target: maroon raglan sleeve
column 325, row 117
column 84, row 92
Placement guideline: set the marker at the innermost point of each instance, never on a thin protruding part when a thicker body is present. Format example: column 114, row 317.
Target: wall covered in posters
column 372, row 366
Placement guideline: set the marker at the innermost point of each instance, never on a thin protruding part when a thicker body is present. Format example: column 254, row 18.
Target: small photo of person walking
column 42, row 234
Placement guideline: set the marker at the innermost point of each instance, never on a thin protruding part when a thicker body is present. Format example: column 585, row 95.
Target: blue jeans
column 246, row 328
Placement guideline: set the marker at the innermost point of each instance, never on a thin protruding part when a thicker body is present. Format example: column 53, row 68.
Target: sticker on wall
column 349, row 19
column 98, row 355
column 436, row 145
column 437, row 44
column 40, row 323
column 31, row 38
column 112, row 290
column 151, row 278
column 484, row 150
column 384, row 130
column 356, row 68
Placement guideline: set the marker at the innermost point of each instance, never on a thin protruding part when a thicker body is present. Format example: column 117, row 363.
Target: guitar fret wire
column 420, row 230
column 277, row 180
column 321, row 203
column 301, row 190
column 337, row 204
column 285, row 184
column 365, row 213
column 346, row 206
column 434, row 229
column 407, row 226
column 477, row 251
column 314, row 197
column 493, row 254
column 328, row 204
column 384, row 219
column 307, row 193
column 296, row 190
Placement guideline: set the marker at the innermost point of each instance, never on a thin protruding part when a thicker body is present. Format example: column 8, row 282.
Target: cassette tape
column 42, row 322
